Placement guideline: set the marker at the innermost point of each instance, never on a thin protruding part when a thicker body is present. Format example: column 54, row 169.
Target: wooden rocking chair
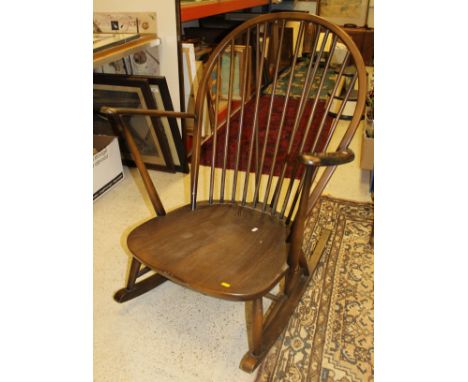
column 269, row 128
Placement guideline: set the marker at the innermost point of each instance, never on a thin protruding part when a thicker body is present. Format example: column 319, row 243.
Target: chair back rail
column 260, row 122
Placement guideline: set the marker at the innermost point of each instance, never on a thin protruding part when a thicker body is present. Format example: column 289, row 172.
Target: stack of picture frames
column 158, row 139
column 193, row 70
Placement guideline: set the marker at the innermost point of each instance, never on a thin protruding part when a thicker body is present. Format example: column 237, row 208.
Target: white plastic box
column 107, row 164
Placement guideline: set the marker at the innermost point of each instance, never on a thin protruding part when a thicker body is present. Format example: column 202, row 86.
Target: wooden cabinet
column 364, row 39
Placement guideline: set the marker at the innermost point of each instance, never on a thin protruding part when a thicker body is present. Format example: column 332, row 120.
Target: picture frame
column 190, row 69
column 309, row 6
column 190, row 73
column 239, row 69
column 163, row 101
column 344, row 12
column 122, row 91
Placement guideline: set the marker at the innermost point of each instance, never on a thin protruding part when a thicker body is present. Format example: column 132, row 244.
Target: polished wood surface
column 221, row 250
column 247, row 237
column 150, row 112
column 328, row 159
column 150, row 189
column 262, row 29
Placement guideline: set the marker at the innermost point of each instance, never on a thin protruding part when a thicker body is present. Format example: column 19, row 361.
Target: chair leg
column 293, row 276
column 135, row 266
column 290, row 280
column 135, row 289
column 255, row 317
column 257, row 326
column 266, row 331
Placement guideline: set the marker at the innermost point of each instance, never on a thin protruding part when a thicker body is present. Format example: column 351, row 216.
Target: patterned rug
column 277, row 110
column 330, row 336
column 299, row 81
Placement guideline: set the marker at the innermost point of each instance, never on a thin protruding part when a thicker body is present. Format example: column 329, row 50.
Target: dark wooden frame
column 122, row 80
column 161, row 83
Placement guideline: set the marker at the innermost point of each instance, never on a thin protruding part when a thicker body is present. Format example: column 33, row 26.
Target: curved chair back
column 278, row 85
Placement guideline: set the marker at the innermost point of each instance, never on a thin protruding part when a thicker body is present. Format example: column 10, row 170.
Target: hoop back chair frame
column 278, row 211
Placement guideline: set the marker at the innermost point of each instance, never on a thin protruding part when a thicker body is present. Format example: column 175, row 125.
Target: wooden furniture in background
column 242, row 238
column 364, row 39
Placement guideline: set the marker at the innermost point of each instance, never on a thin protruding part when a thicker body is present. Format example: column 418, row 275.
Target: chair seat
column 223, row 250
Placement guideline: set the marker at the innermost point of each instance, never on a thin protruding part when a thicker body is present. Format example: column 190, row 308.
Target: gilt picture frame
column 225, row 72
column 239, row 69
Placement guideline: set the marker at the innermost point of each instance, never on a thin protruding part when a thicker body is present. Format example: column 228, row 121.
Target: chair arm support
column 150, row 112
column 327, row 159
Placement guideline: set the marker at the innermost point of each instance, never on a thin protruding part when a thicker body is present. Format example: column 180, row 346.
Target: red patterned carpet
column 278, row 106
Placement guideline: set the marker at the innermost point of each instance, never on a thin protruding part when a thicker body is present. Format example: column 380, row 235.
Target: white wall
column 166, row 30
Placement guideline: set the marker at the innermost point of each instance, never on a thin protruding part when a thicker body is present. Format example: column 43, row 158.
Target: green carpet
column 299, row 80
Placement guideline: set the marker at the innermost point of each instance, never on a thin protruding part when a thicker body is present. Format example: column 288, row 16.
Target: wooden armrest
column 150, row 112
column 327, row 159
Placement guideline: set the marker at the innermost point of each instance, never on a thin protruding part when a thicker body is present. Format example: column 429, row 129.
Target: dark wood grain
column 238, row 245
column 149, row 185
column 136, row 288
column 139, row 288
column 274, row 325
column 257, row 326
column 327, row 159
column 150, row 112
column 221, row 250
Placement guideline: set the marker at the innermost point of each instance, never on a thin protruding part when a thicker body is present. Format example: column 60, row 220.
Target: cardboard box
column 107, row 164
column 367, row 152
